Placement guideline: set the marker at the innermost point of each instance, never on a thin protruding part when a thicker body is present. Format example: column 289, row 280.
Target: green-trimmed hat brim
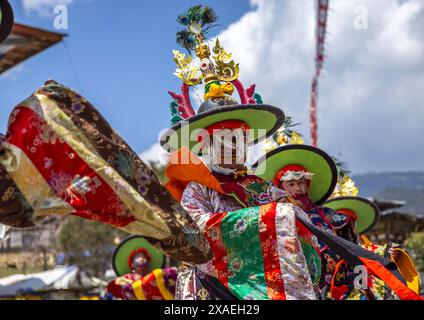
column 6, row 19
column 265, row 117
column 366, row 211
column 126, row 247
column 313, row 159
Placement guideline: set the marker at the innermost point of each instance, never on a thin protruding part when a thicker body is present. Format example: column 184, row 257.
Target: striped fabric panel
column 311, row 251
column 213, row 234
column 294, row 267
column 150, row 287
column 160, row 281
column 138, row 290
column 258, row 255
column 268, row 236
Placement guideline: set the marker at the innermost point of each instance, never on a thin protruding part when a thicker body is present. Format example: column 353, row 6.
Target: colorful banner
column 321, row 27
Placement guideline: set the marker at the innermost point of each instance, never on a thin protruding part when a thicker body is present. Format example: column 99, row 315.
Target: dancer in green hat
column 309, row 176
column 220, row 131
column 355, row 216
column 141, row 270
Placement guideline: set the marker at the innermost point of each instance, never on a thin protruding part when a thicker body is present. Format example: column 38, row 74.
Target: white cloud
column 43, row 7
column 155, row 154
column 15, row 72
column 371, row 104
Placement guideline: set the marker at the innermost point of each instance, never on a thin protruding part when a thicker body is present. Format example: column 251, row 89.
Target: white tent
column 60, row 278
column 3, row 231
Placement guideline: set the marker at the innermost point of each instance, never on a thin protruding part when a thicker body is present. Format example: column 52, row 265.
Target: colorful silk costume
column 256, row 249
column 221, row 112
column 321, row 217
column 221, row 212
column 343, row 282
column 156, row 285
column 141, row 271
column 318, row 173
column 315, row 167
column 60, row 156
column 359, row 214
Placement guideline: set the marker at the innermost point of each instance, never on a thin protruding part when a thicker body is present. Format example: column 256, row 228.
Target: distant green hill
column 371, row 183
column 406, row 186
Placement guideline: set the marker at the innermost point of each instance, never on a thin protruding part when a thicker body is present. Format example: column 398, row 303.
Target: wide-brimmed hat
column 217, row 73
column 363, row 211
column 301, row 157
column 262, row 120
column 127, row 248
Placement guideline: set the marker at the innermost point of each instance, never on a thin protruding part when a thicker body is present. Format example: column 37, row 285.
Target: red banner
column 321, row 27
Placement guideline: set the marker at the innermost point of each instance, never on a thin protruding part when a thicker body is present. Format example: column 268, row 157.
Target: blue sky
column 371, row 97
column 122, row 55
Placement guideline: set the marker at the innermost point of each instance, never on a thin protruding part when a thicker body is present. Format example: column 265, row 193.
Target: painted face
column 296, row 188
column 141, row 264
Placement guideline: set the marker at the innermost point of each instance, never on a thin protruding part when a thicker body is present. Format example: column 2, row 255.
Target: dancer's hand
column 393, row 252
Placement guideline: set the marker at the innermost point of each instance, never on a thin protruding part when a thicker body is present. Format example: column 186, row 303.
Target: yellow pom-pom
column 228, row 88
column 215, row 91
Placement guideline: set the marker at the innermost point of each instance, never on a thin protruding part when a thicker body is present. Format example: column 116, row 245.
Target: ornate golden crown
column 214, row 67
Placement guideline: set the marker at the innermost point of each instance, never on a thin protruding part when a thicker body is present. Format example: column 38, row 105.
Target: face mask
column 224, row 145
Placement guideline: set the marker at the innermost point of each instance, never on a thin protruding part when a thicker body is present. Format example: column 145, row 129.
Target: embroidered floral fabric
column 259, row 253
column 60, row 156
column 258, row 250
column 201, row 203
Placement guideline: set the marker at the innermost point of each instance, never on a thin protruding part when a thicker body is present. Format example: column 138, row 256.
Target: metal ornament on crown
column 218, row 72
column 345, row 185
